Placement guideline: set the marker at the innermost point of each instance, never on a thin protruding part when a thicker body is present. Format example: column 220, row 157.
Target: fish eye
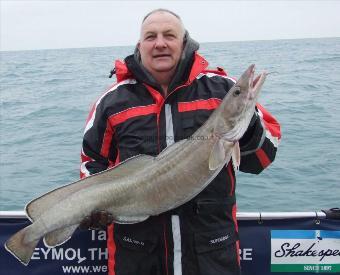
column 237, row 91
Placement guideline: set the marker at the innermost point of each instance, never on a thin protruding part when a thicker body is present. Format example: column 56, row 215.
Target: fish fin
column 236, row 156
column 217, row 155
column 128, row 167
column 35, row 208
column 171, row 148
column 19, row 248
column 220, row 153
column 129, row 219
column 39, row 205
column 59, row 236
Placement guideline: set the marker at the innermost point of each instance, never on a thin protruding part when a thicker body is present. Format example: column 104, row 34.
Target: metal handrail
column 279, row 215
column 239, row 215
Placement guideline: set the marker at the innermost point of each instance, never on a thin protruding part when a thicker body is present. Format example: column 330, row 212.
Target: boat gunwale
column 240, row 215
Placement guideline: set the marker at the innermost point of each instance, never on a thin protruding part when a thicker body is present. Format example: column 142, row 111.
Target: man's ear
column 138, row 44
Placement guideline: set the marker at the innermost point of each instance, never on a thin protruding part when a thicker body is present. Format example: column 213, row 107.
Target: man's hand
column 98, row 220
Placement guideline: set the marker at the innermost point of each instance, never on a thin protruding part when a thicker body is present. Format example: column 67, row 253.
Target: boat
column 271, row 242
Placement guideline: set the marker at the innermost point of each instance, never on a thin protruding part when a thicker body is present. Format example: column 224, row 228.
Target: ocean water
column 46, row 96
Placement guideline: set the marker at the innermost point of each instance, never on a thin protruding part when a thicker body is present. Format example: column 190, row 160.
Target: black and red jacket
column 133, row 117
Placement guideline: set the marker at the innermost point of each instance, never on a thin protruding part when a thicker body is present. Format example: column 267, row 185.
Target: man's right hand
column 98, row 220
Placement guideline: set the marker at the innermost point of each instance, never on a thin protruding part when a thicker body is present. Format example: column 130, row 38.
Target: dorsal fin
column 38, row 206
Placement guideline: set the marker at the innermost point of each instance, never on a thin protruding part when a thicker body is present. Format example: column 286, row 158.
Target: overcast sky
column 47, row 24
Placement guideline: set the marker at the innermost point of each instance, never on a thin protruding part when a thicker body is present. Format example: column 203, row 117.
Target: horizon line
column 204, row 42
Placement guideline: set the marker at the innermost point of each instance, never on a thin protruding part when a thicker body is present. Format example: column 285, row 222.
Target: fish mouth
column 255, row 83
column 258, row 81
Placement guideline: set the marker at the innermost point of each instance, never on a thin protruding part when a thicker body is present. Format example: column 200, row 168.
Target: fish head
column 238, row 106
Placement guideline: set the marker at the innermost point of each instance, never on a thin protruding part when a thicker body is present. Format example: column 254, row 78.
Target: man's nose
column 160, row 42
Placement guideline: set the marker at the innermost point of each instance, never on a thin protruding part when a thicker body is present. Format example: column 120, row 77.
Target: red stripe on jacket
column 232, row 179
column 109, row 131
column 112, row 249
column 236, row 228
column 131, row 113
column 270, row 122
column 203, row 104
column 263, row 158
column 111, row 244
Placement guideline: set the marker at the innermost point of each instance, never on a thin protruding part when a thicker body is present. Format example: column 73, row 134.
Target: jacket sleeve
column 259, row 143
column 98, row 149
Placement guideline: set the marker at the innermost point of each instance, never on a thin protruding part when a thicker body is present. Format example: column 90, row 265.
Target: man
column 164, row 94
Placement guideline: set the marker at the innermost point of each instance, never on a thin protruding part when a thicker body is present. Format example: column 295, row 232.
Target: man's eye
column 149, row 37
column 170, row 36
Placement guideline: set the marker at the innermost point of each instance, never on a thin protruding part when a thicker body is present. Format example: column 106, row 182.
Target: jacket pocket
column 191, row 121
column 208, row 207
column 135, row 242
column 216, row 252
column 209, row 241
column 137, row 252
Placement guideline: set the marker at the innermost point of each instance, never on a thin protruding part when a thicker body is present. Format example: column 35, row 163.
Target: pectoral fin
column 220, row 154
column 217, row 155
column 236, row 156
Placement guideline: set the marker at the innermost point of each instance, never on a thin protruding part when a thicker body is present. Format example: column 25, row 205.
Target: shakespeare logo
column 305, row 251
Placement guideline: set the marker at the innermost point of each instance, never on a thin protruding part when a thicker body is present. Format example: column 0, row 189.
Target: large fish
column 143, row 185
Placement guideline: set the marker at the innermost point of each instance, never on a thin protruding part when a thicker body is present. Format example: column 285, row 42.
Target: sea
column 46, row 95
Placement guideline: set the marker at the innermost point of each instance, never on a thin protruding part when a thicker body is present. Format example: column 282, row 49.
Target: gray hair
column 161, row 10
column 166, row 11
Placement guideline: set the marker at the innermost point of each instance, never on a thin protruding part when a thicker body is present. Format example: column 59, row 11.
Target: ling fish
column 145, row 186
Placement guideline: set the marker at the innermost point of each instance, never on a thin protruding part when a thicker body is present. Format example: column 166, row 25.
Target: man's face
column 161, row 42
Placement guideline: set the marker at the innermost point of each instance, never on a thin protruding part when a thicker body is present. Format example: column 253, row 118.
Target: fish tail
column 19, row 247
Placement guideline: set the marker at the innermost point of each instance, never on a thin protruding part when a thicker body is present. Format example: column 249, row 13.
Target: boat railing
column 239, row 215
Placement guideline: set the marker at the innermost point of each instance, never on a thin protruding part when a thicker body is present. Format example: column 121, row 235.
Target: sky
column 31, row 25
